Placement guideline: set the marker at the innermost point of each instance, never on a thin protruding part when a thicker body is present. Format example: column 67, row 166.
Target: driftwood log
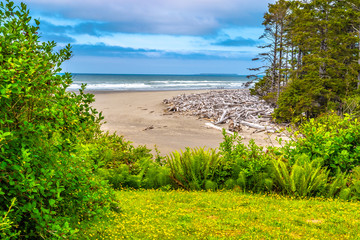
column 217, row 128
column 237, row 107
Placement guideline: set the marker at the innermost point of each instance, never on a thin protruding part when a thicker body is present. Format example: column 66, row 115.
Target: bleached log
column 222, row 118
column 218, row 128
column 257, row 126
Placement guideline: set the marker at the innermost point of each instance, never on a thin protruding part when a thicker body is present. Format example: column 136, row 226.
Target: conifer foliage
column 312, row 59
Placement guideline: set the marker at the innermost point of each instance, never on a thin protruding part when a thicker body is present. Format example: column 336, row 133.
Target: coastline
column 141, row 117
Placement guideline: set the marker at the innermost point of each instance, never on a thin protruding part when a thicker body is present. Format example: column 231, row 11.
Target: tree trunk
column 358, row 83
column 299, row 63
column 273, row 84
column 280, row 62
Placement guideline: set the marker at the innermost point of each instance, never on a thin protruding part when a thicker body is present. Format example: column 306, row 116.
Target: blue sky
column 154, row 36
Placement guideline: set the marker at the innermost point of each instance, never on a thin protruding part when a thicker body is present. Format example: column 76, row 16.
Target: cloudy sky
column 154, row 36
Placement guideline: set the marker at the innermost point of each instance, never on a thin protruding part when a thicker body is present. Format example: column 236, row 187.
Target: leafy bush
column 124, row 165
column 156, row 176
column 246, row 166
column 151, row 176
column 334, row 139
column 41, row 125
column 120, row 177
column 6, row 224
column 111, row 151
column 196, row 169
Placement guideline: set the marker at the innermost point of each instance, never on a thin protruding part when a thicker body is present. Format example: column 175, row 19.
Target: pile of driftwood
column 236, row 107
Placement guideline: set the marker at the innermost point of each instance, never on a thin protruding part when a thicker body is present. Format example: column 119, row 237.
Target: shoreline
column 141, row 117
column 170, row 90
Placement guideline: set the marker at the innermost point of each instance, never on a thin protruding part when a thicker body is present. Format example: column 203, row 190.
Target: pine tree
column 275, row 30
column 313, row 58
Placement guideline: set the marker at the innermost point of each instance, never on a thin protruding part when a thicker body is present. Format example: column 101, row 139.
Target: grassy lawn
column 151, row 214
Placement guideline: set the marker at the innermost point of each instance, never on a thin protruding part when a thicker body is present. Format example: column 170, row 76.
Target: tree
column 354, row 8
column 275, row 22
column 314, row 56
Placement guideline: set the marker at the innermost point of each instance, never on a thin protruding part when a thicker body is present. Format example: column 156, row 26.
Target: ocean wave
column 198, row 84
column 113, row 86
column 156, row 83
column 188, row 81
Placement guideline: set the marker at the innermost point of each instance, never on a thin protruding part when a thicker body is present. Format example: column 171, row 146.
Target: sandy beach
column 141, row 118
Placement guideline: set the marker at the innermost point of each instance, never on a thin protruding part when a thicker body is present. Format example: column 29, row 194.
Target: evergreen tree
column 315, row 56
column 275, row 22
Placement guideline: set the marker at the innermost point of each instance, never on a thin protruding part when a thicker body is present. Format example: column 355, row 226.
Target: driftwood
column 257, row 126
column 237, row 107
column 222, row 118
column 218, row 128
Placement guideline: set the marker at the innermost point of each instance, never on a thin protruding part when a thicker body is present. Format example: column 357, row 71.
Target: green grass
column 153, row 214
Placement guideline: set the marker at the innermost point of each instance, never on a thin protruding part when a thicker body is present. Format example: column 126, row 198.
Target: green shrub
column 247, row 165
column 334, row 139
column 41, row 126
column 152, row 176
column 196, row 169
column 345, row 185
column 120, row 177
column 124, row 165
column 111, row 151
column 156, row 176
column 6, row 224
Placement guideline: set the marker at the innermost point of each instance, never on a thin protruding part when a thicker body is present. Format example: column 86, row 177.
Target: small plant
column 156, row 176
column 124, row 165
column 355, row 183
column 305, row 178
column 247, row 165
column 6, row 223
column 338, row 186
column 195, row 169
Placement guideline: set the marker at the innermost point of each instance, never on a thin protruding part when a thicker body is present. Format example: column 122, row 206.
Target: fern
column 337, row 184
column 355, row 183
column 304, row 178
column 195, row 169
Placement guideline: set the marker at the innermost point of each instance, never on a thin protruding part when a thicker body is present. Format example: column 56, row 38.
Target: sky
column 154, row 36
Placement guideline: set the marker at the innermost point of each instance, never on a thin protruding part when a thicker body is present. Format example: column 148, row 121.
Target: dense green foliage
column 196, row 169
column 313, row 59
column 246, row 165
column 304, row 178
column 41, row 126
column 124, row 165
column 321, row 161
column 332, row 140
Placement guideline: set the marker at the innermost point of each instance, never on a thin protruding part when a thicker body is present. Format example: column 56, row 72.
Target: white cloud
column 189, row 17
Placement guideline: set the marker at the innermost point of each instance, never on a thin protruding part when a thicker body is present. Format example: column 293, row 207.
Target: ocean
column 130, row 82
